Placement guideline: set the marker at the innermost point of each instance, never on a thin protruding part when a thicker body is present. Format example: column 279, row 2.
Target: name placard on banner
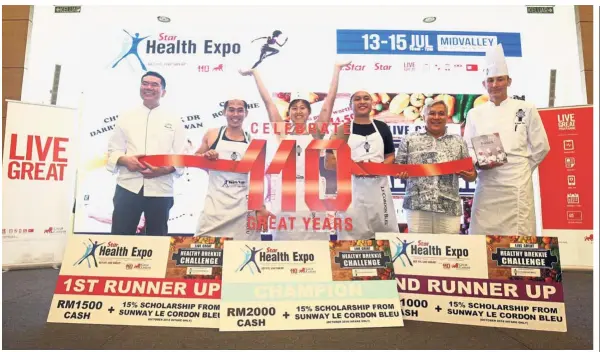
column 140, row 280
column 303, row 285
column 497, row 281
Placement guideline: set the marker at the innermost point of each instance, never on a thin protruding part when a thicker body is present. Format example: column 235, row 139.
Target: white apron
column 372, row 208
column 504, row 203
column 299, row 232
column 225, row 211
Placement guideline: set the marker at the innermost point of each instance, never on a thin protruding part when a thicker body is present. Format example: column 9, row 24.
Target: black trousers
column 128, row 208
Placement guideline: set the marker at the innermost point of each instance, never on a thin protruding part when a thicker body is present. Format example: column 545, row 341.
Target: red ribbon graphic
column 284, row 161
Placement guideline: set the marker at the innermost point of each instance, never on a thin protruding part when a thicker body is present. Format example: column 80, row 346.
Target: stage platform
column 27, row 295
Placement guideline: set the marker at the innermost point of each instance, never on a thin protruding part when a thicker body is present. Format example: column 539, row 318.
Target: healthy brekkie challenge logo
column 362, row 259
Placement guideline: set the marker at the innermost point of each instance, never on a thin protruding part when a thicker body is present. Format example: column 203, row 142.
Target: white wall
column 55, row 40
column 548, row 42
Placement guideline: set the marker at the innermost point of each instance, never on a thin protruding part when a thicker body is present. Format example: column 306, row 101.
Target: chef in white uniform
column 148, row 129
column 504, row 202
column 372, row 208
column 299, row 111
column 226, row 211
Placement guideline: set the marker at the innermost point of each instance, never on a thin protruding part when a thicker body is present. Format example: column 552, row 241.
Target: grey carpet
column 27, row 295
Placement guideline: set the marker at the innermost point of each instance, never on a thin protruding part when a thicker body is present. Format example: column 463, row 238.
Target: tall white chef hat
column 495, row 62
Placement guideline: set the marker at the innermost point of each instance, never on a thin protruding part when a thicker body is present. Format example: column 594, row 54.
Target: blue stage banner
column 407, row 42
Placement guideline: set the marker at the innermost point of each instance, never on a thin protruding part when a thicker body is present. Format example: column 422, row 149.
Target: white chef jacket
column 503, row 202
column 142, row 131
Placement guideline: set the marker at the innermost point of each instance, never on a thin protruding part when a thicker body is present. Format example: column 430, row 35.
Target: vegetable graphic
column 417, row 100
column 460, row 105
column 399, row 103
column 481, row 100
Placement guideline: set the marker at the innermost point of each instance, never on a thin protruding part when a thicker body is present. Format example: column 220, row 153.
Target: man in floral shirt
column 432, row 203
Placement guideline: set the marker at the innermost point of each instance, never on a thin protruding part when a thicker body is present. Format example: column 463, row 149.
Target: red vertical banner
column 566, row 181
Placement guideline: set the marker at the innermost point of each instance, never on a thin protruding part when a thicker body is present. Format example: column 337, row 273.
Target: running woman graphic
column 91, row 253
column 135, row 41
column 253, row 252
column 266, row 49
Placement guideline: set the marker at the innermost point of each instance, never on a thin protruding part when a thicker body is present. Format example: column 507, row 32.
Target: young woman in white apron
column 226, row 211
column 299, row 112
column 372, row 208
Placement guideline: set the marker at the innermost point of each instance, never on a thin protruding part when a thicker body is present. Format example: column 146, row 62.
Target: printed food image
column 177, row 243
column 398, row 107
column 346, row 274
column 553, row 274
column 408, row 108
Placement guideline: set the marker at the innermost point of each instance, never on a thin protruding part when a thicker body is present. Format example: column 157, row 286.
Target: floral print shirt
column 432, row 193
